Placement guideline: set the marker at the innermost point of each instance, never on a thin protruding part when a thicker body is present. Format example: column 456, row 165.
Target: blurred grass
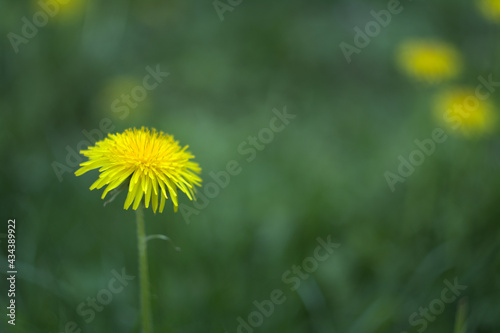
column 323, row 175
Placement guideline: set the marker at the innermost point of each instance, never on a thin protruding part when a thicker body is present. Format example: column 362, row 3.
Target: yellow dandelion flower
column 460, row 109
column 429, row 61
column 490, row 9
column 150, row 163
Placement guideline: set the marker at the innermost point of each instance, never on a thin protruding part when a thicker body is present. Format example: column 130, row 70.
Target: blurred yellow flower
column 147, row 162
column 461, row 109
column 430, row 61
column 490, row 9
column 66, row 10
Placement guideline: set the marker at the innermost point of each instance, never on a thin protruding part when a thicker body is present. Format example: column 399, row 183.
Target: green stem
column 143, row 272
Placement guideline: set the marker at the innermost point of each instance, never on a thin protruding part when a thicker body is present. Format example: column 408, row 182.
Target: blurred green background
column 322, row 175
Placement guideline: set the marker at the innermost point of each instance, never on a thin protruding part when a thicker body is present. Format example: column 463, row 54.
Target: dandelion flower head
column 149, row 163
column 460, row 109
column 490, row 9
column 429, row 61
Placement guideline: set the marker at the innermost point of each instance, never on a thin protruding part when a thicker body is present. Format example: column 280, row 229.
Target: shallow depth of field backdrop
column 321, row 173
